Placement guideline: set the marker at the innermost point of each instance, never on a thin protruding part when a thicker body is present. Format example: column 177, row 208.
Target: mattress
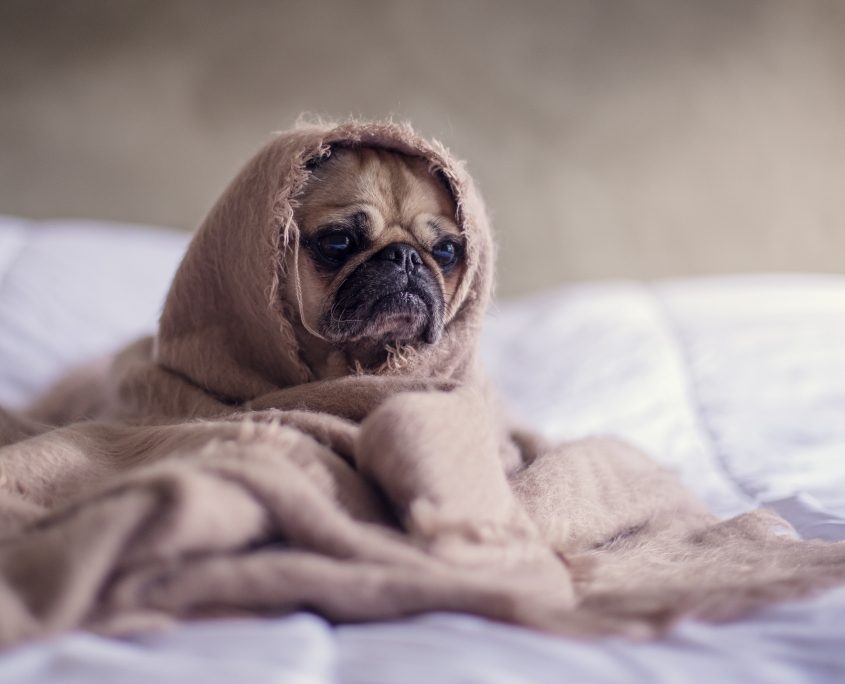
column 735, row 383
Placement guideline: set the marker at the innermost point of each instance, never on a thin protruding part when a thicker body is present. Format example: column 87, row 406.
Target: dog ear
column 324, row 154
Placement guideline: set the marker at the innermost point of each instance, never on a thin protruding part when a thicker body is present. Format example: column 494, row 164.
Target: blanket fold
column 207, row 472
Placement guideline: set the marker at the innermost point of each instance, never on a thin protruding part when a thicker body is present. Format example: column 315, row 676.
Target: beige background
column 611, row 138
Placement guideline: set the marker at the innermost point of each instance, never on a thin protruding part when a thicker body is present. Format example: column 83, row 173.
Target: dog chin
column 397, row 318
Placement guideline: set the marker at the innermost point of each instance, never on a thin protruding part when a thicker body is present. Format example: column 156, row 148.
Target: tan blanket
column 205, row 473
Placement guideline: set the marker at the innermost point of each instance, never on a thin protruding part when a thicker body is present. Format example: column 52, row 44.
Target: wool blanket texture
column 205, row 472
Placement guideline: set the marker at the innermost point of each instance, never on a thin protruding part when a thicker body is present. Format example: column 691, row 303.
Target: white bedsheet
column 737, row 383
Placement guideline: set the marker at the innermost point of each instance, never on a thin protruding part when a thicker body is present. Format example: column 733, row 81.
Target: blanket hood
column 225, row 327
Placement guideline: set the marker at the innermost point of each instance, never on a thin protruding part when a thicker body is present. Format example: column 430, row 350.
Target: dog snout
column 402, row 254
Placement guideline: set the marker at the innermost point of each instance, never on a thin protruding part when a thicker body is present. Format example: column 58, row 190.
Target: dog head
column 380, row 256
column 269, row 294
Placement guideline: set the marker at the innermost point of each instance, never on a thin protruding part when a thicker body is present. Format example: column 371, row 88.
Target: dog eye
column 335, row 246
column 446, row 253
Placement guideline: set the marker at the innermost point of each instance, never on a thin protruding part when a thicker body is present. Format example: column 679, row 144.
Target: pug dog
column 380, row 259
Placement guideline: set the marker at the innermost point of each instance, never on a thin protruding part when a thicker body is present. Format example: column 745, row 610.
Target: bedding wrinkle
column 690, row 384
column 212, row 475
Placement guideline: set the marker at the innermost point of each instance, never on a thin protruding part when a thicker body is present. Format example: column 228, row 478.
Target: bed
column 736, row 383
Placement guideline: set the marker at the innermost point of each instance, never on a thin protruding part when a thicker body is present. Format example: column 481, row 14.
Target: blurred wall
column 640, row 138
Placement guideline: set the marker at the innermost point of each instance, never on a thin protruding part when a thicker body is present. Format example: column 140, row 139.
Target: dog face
column 380, row 255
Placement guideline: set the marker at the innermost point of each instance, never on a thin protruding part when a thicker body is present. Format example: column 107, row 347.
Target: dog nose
column 403, row 255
